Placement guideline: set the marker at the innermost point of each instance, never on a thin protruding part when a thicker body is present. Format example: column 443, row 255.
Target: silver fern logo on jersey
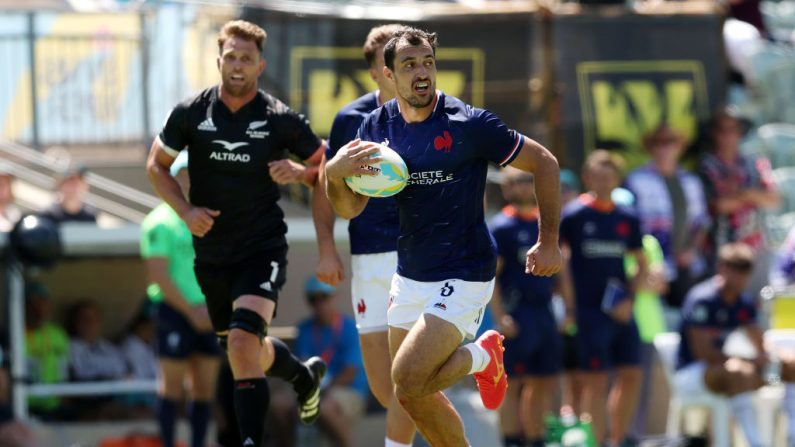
column 254, row 131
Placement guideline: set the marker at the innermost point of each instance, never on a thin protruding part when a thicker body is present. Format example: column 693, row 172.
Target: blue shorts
column 604, row 344
column 176, row 338
column 537, row 348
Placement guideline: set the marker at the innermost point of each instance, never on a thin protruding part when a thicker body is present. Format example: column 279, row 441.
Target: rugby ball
column 392, row 175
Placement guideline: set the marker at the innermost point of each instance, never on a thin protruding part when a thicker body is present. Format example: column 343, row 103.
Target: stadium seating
column 777, row 227
column 785, row 181
column 778, row 140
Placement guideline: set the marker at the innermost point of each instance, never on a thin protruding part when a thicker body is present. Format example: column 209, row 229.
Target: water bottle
column 574, row 435
column 772, row 372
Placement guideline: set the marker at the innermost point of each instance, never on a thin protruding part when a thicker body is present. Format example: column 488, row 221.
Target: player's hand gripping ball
column 391, row 175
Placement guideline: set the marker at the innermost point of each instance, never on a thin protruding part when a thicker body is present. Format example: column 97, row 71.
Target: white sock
column 480, row 358
column 390, row 443
column 789, row 408
column 743, row 410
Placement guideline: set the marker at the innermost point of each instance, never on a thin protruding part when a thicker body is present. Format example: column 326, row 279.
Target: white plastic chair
column 779, row 142
column 667, row 345
column 785, row 182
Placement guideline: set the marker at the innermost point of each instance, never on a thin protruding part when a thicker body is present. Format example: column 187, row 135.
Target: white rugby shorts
column 459, row 302
column 370, row 283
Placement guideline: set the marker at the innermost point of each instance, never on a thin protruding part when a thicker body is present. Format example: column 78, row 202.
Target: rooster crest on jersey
column 391, row 175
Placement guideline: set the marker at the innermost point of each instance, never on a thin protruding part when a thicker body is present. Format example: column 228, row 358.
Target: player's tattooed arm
column 351, row 159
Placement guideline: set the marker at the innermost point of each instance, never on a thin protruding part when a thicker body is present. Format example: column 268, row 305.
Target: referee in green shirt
column 186, row 343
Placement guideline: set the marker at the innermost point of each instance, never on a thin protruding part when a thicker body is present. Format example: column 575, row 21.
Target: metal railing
column 108, row 196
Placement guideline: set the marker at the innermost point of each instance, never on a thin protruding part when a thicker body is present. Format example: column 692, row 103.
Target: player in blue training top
column 373, row 237
column 446, row 256
column 522, row 308
column 712, row 310
column 598, row 234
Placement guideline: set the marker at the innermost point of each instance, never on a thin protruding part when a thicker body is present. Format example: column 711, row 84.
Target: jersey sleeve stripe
column 515, row 151
column 169, row 150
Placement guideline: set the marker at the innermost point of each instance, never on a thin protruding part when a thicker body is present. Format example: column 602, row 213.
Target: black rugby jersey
column 228, row 169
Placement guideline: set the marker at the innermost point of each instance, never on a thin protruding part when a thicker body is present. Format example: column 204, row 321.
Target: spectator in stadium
column 748, row 11
column 332, row 336
column 138, row 350
column 671, row 205
column 13, row 433
column 521, row 305
column 93, row 358
column 784, row 271
column 137, row 347
column 738, row 189
column 9, row 215
column 712, row 310
column 71, row 191
column 186, row 342
column 596, row 233
column 47, row 350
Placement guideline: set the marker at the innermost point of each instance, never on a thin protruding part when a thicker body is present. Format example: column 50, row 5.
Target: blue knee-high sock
column 166, row 418
column 199, row 418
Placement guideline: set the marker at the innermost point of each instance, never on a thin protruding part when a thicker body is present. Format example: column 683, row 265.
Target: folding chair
column 667, row 345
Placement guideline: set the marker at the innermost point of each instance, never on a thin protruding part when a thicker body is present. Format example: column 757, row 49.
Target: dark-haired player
column 373, row 238
column 446, row 257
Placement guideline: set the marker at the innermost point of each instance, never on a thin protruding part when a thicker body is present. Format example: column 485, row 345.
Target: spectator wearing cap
column 738, row 189
column 187, row 346
column 47, row 349
column 783, row 273
column 71, row 191
column 92, row 357
column 333, row 336
column 9, row 215
column 672, row 207
column 137, row 346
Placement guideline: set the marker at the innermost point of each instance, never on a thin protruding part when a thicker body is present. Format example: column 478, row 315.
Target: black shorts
column 262, row 274
column 177, row 339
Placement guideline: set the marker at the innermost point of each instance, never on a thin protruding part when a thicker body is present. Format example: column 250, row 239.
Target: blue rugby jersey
column 515, row 234
column 599, row 236
column 704, row 308
column 443, row 234
column 375, row 230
